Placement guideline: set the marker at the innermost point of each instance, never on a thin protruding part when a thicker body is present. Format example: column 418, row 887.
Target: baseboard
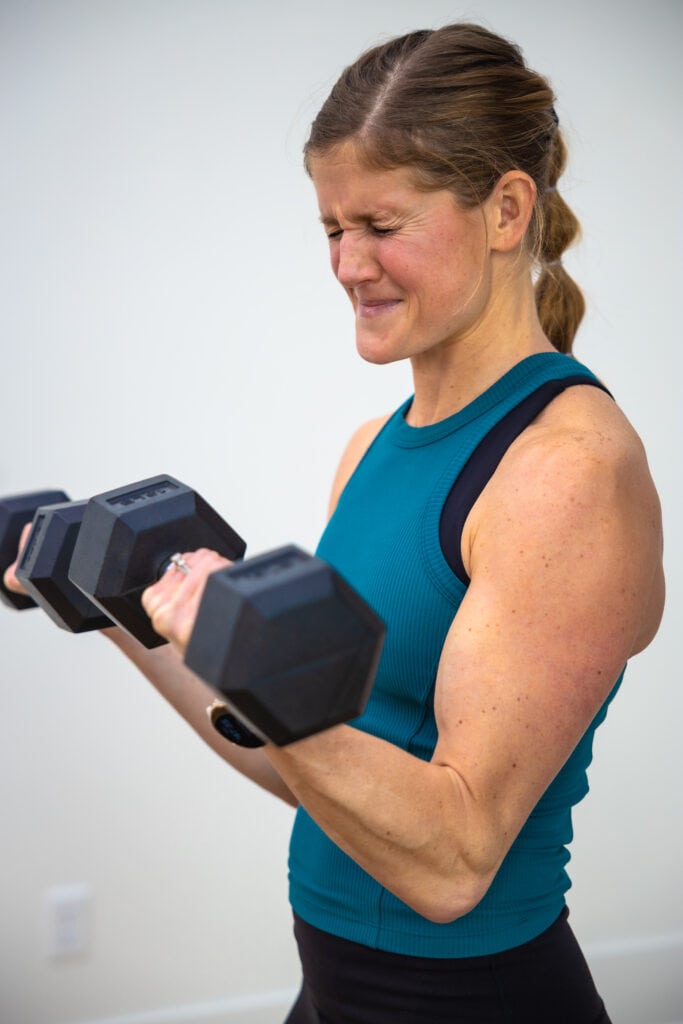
column 262, row 1008
column 641, row 980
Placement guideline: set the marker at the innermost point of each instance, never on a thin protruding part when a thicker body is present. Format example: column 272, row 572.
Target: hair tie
column 550, row 188
column 553, row 114
column 553, row 263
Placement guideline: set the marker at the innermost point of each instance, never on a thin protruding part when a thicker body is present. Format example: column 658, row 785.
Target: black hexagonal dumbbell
column 44, row 566
column 15, row 512
column 283, row 638
column 128, row 536
column 289, row 645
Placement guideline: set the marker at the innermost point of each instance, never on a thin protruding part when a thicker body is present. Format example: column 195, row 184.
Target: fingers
column 9, row 579
column 172, row 603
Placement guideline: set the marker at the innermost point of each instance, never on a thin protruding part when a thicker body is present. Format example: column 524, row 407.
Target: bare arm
column 564, row 554
column 173, row 614
column 190, row 697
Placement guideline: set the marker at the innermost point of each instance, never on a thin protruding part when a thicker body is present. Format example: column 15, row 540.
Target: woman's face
column 414, row 264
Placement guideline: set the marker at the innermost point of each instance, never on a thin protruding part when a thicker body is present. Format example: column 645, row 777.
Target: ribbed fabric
column 384, row 538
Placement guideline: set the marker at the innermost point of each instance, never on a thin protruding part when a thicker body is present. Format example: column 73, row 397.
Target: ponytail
column 559, row 301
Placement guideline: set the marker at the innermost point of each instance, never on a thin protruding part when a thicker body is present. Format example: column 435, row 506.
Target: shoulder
column 580, row 445
column 581, row 442
column 573, row 499
column 352, row 455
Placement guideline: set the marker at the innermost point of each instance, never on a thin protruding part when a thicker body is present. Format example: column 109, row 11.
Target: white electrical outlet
column 68, row 920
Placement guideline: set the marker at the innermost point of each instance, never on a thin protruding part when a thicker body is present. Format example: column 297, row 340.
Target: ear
column 510, row 207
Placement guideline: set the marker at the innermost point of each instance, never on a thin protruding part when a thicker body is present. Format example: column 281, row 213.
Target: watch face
column 231, row 728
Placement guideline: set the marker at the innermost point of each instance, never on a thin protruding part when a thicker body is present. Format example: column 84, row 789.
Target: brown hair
column 460, row 107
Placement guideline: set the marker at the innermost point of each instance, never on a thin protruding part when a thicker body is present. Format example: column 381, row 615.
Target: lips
column 369, row 308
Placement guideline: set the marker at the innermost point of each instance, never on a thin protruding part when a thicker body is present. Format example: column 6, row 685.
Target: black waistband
column 544, row 980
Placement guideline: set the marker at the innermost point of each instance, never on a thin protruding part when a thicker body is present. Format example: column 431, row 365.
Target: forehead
column 344, row 182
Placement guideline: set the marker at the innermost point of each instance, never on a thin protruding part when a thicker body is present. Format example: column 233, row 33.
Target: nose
column 355, row 261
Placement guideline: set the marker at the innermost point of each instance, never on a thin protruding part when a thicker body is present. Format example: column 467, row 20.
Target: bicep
column 560, row 569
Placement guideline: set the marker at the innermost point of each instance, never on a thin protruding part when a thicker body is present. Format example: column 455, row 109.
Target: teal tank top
column 384, row 539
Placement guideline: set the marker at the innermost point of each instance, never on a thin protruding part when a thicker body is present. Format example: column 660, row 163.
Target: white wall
column 166, row 307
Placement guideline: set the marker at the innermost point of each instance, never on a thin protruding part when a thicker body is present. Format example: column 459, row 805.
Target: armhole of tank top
column 484, row 460
column 368, row 448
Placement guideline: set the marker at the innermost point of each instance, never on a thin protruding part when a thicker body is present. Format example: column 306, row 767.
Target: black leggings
column 545, row 981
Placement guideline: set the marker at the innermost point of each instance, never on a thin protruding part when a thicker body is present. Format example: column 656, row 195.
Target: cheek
column 459, row 262
column 435, row 267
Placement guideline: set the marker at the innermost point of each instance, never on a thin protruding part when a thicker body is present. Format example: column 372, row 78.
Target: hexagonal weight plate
column 15, row 512
column 43, row 569
column 289, row 645
column 127, row 538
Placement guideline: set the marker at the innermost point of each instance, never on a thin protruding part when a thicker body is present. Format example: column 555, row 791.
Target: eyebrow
column 386, row 214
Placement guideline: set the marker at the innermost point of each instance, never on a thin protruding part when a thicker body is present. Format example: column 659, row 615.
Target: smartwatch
column 230, row 727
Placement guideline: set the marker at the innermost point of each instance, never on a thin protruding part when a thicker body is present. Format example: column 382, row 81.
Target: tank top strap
column 484, row 460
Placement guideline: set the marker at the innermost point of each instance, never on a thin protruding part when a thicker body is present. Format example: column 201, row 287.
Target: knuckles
column 11, row 581
column 9, row 577
column 171, row 602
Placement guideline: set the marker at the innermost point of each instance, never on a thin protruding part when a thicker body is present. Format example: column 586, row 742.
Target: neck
column 449, row 377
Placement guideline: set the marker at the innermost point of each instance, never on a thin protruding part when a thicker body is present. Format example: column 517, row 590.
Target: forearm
column 190, row 697
column 407, row 822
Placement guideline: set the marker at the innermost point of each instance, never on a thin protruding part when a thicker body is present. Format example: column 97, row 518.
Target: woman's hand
column 10, row 578
column 172, row 603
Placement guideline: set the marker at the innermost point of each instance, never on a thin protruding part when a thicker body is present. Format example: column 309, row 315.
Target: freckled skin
column 528, row 659
column 393, row 249
column 431, row 260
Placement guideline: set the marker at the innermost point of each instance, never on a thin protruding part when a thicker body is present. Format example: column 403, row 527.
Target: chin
column 379, row 358
column 373, row 351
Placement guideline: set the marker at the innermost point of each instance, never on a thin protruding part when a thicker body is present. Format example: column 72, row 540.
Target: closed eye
column 334, row 233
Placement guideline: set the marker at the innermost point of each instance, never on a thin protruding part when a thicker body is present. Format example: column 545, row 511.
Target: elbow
column 448, row 899
column 459, row 884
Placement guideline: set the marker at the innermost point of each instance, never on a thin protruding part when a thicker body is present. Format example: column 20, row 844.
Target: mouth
column 367, row 309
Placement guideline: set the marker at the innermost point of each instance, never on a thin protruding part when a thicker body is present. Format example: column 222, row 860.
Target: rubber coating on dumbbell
column 44, row 567
column 128, row 536
column 291, row 648
column 15, row 512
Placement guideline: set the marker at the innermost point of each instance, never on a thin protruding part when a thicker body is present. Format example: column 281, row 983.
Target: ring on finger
column 179, row 563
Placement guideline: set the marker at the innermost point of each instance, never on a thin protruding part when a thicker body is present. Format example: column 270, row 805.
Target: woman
column 504, row 525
